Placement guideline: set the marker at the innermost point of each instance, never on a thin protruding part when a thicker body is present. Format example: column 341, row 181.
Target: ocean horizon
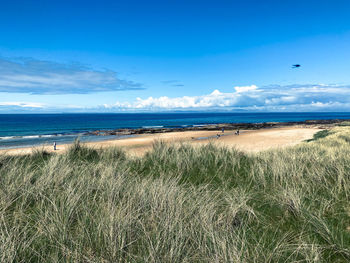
column 26, row 130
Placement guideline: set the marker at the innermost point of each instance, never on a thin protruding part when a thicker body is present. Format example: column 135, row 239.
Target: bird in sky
column 296, row 66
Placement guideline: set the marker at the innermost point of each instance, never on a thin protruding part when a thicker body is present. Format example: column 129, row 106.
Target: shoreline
column 142, row 138
column 249, row 140
column 213, row 127
column 197, row 127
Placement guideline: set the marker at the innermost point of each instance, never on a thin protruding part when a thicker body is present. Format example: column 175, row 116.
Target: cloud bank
column 309, row 97
column 25, row 75
column 22, row 104
column 277, row 98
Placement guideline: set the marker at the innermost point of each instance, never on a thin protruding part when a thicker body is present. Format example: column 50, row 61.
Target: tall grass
column 178, row 204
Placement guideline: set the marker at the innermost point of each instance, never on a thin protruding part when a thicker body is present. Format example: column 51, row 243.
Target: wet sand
column 248, row 140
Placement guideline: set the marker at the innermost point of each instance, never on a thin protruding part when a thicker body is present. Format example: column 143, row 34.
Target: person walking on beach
column 223, row 130
column 54, row 146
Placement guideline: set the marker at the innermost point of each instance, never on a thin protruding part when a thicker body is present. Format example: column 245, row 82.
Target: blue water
column 19, row 130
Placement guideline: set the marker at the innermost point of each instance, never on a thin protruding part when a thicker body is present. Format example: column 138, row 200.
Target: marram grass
column 179, row 204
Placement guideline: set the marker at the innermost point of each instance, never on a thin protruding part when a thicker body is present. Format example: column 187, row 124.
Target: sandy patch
column 248, row 140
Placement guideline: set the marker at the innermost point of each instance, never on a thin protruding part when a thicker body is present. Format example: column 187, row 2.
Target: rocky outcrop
column 211, row 127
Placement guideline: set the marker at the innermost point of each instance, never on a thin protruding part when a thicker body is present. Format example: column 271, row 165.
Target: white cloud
column 23, row 104
column 268, row 98
column 45, row 77
column 246, row 88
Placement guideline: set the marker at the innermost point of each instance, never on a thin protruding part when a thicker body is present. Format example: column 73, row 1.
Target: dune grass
column 319, row 135
column 178, row 203
column 344, row 123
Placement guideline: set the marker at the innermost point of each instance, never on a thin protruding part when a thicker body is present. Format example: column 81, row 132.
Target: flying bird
column 296, row 66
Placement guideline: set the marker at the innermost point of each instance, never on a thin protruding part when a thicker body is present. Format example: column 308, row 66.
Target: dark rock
column 211, row 127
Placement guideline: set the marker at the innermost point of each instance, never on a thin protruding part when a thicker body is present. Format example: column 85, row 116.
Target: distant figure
column 223, row 130
column 237, row 132
column 54, row 146
column 217, row 136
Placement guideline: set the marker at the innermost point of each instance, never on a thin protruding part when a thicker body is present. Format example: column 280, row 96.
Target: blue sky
column 116, row 56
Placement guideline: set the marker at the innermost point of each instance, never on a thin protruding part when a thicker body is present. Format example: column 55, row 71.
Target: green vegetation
column 178, row 204
column 319, row 135
column 344, row 123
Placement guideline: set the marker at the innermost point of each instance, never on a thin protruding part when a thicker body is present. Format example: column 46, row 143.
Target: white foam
column 150, row 127
column 29, row 136
column 6, row 138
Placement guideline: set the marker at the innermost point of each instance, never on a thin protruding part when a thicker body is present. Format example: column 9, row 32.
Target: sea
column 28, row 130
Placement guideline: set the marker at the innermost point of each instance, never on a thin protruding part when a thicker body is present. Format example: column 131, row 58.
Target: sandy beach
column 248, row 140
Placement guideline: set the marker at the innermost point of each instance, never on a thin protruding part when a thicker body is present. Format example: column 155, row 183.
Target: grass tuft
column 319, row 135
